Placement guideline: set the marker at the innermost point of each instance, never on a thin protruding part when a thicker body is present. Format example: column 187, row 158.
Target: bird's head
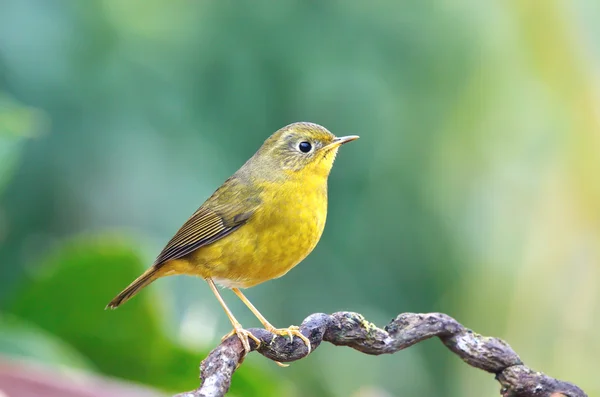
column 301, row 148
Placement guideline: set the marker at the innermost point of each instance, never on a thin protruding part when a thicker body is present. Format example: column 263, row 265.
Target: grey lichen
column 352, row 329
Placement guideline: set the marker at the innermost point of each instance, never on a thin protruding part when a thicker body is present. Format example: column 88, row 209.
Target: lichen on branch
column 351, row 329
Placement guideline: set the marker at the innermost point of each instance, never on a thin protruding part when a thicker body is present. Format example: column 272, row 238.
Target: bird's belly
column 266, row 247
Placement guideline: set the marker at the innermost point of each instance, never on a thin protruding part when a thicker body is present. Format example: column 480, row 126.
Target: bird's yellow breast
column 282, row 232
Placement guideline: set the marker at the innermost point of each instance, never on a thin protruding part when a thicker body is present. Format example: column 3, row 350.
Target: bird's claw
column 292, row 331
column 243, row 335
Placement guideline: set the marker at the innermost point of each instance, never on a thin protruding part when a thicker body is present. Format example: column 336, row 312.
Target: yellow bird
column 258, row 225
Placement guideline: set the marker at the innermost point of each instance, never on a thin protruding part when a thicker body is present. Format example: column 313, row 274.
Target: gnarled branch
column 351, row 329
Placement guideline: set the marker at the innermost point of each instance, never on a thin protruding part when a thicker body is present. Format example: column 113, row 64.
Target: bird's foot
column 291, row 331
column 243, row 335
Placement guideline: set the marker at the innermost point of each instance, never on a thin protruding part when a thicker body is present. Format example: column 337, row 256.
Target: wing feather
column 205, row 227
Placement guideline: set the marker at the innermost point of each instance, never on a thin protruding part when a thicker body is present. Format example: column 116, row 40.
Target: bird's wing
column 220, row 215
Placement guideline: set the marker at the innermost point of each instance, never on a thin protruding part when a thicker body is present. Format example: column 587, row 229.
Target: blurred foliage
column 16, row 123
column 474, row 189
column 21, row 339
column 66, row 298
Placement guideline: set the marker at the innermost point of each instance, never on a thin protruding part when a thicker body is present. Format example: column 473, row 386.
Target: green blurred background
column 474, row 189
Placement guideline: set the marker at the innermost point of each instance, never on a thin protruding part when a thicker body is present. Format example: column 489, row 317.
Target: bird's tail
column 146, row 278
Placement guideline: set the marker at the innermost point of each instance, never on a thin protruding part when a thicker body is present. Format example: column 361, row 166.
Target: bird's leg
column 237, row 327
column 291, row 331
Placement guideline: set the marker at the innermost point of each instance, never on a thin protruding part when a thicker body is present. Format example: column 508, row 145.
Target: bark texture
column 351, row 329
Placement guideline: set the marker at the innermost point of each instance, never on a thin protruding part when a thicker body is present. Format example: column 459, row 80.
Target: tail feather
column 146, row 278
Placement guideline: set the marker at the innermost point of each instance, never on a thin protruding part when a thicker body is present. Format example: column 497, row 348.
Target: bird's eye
column 304, row 147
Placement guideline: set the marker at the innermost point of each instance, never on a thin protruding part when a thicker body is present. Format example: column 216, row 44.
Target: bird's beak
column 341, row 140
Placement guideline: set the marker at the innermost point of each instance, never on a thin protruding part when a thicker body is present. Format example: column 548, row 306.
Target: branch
column 351, row 329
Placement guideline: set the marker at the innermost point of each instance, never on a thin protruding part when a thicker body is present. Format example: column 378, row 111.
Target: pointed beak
column 341, row 140
column 345, row 139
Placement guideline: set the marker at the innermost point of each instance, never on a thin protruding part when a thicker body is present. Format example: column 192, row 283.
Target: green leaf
column 67, row 297
column 22, row 339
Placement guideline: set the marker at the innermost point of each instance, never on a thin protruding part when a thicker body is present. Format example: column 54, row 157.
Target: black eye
column 305, row 147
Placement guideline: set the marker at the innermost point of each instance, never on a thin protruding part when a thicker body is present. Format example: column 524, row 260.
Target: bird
column 259, row 224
